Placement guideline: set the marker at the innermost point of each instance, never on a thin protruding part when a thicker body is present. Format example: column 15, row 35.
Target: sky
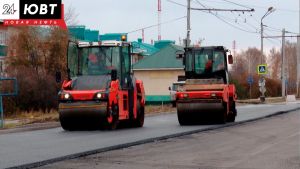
column 222, row 28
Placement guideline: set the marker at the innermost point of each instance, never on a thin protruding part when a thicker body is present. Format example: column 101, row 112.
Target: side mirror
column 169, row 88
column 58, row 77
column 113, row 74
column 230, row 59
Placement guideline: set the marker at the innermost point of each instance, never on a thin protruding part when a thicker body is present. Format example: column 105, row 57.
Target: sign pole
column 250, row 90
column 1, row 113
column 283, row 65
column 6, row 94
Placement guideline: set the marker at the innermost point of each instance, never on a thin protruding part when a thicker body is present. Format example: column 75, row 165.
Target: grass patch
column 24, row 118
column 153, row 109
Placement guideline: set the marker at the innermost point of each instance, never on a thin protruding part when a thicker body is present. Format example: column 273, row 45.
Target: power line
column 277, row 41
column 237, row 4
column 147, row 27
column 176, row 3
column 232, row 25
column 278, row 30
column 278, row 9
column 205, row 8
column 256, row 28
column 223, row 20
column 242, row 22
column 256, row 6
column 224, row 10
column 219, row 16
column 279, row 36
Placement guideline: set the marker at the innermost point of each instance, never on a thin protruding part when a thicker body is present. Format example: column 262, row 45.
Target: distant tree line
column 245, row 65
column 34, row 55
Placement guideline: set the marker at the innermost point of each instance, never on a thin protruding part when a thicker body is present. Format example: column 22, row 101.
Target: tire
column 139, row 121
column 183, row 119
column 65, row 124
column 222, row 116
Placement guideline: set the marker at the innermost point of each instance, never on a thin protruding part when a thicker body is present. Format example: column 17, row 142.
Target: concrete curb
column 269, row 100
column 126, row 145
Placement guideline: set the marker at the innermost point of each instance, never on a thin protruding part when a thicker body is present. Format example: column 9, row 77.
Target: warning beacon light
column 123, row 38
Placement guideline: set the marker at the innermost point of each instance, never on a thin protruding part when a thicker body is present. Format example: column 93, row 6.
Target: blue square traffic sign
column 262, row 69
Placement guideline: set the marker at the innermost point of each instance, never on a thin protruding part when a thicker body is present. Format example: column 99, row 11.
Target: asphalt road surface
column 35, row 146
column 272, row 143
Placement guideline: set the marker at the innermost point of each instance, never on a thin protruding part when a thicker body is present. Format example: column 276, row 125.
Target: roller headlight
column 98, row 95
column 66, row 96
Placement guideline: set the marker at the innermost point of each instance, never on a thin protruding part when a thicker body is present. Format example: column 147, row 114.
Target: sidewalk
column 268, row 100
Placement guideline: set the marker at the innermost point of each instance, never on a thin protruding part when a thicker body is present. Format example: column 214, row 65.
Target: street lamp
column 262, row 80
column 270, row 10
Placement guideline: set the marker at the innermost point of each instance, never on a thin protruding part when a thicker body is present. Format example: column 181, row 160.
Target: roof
column 163, row 43
column 163, row 59
column 207, row 47
column 80, row 32
column 112, row 36
column 102, row 43
column 143, row 48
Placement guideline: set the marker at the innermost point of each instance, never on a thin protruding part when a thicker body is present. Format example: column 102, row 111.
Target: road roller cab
column 100, row 90
column 206, row 93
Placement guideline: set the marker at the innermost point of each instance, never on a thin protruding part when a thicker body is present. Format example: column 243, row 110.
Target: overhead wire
column 176, row 3
column 237, row 4
column 273, row 41
column 256, row 6
column 223, row 20
column 155, row 25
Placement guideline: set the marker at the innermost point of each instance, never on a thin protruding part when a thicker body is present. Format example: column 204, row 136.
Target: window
column 203, row 61
column 126, row 63
column 189, row 61
column 93, row 60
column 73, row 59
column 218, row 63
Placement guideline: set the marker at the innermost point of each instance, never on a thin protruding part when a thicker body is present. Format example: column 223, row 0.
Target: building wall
column 157, row 82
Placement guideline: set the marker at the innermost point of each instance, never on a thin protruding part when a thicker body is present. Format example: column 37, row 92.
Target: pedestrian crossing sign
column 262, row 69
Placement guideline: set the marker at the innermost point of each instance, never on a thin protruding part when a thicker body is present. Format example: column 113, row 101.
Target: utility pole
column 159, row 19
column 283, row 64
column 249, row 75
column 261, row 42
column 298, row 57
column 188, row 23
